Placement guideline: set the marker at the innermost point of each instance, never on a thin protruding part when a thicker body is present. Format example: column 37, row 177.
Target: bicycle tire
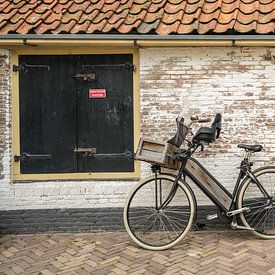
column 140, row 214
column 260, row 218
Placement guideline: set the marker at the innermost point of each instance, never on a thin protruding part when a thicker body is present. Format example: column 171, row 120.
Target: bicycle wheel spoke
column 143, row 221
column 151, row 224
column 165, row 229
column 173, row 222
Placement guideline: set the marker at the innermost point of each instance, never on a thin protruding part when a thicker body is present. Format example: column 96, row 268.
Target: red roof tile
column 139, row 16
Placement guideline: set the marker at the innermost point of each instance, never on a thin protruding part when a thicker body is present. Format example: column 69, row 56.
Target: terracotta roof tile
column 88, row 17
column 79, row 6
column 267, row 8
column 226, row 18
column 67, row 17
column 7, row 16
column 123, row 28
column 204, row 28
column 141, row 16
column 175, row 2
column 127, row 5
column 25, row 27
column 111, row 7
column 230, row 7
column 6, row 4
column 80, row 28
column 185, row 29
column 52, row 17
column 188, row 18
column 96, row 27
column 170, row 18
column 17, row 16
column 192, row 8
column 118, row 17
column 137, row 8
column 211, row 7
column 265, row 28
column 10, row 6
column 7, row 28
column 64, row 27
column 44, row 28
column 222, row 28
column 147, row 27
column 132, row 19
column 97, row 6
column 249, row 8
column 247, row 18
column 110, row 26
column 27, row 7
column 152, row 17
column 156, row 5
column 205, row 18
column 266, row 18
column 167, row 29
column 242, row 28
column 171, row 8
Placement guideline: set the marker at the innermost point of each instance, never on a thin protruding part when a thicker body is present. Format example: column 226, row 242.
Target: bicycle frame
column 210, row 186
column 214, row 190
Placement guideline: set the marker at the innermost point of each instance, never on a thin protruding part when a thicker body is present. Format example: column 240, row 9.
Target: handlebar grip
column 201, row 120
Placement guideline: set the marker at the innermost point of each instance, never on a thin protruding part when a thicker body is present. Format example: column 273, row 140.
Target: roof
column 162, row 17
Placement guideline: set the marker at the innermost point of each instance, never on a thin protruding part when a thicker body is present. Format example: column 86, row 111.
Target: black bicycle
column 160, row 210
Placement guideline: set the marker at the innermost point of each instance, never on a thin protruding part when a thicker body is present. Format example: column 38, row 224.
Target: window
column 76, row 114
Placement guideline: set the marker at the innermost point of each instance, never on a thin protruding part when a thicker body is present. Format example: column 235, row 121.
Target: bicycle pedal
column 212, row 217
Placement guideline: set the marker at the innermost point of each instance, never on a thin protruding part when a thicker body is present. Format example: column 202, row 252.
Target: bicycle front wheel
column 261, row 217
column 154, row 224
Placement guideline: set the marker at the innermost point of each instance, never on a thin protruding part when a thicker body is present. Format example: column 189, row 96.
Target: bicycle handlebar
column 201, row 120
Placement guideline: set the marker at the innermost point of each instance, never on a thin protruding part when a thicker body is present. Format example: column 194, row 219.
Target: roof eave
column 146, row 40
column 141, row 36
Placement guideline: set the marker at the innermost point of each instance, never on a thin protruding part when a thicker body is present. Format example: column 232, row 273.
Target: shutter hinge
column 26, row 156
column 24, row 67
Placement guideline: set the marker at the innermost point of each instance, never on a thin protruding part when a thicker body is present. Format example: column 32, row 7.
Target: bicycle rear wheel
column 158, row 229
column 261, row 216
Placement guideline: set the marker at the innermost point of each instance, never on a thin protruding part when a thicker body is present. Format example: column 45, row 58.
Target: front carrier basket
column 157, row 153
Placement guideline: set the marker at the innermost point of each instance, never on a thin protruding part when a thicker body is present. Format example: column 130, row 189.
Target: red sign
column 97, row 93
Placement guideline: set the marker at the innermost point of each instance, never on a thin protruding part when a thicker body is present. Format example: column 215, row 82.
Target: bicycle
column 160, row 210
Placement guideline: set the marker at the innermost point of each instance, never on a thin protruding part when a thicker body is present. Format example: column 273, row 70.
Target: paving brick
column 233, row 255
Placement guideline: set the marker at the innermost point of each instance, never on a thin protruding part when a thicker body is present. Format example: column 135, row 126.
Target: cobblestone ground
column 205, row 252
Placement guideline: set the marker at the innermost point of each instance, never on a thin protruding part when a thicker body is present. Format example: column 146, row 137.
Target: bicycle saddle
column 251, row 148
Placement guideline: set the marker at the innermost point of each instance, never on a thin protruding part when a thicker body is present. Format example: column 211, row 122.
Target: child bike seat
column 209, row 134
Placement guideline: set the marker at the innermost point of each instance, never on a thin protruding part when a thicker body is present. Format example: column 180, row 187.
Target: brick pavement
column 202, row 252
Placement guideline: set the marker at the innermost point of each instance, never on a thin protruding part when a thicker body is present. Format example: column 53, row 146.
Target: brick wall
column 238, row 82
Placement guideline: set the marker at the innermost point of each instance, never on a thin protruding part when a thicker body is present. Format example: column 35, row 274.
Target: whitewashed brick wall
column 238, row 82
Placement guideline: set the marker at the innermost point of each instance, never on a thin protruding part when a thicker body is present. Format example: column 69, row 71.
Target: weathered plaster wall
column 238, row 82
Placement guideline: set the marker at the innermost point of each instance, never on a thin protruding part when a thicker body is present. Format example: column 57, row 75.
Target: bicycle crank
column 238, row 211
column 234, row 225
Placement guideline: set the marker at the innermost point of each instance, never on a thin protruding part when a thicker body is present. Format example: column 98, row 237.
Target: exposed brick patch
column 4, row 109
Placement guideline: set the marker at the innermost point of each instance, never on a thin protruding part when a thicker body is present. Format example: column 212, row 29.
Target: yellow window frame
column 17, row 176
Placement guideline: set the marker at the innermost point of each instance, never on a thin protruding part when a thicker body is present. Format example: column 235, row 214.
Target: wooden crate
column 157, row 152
